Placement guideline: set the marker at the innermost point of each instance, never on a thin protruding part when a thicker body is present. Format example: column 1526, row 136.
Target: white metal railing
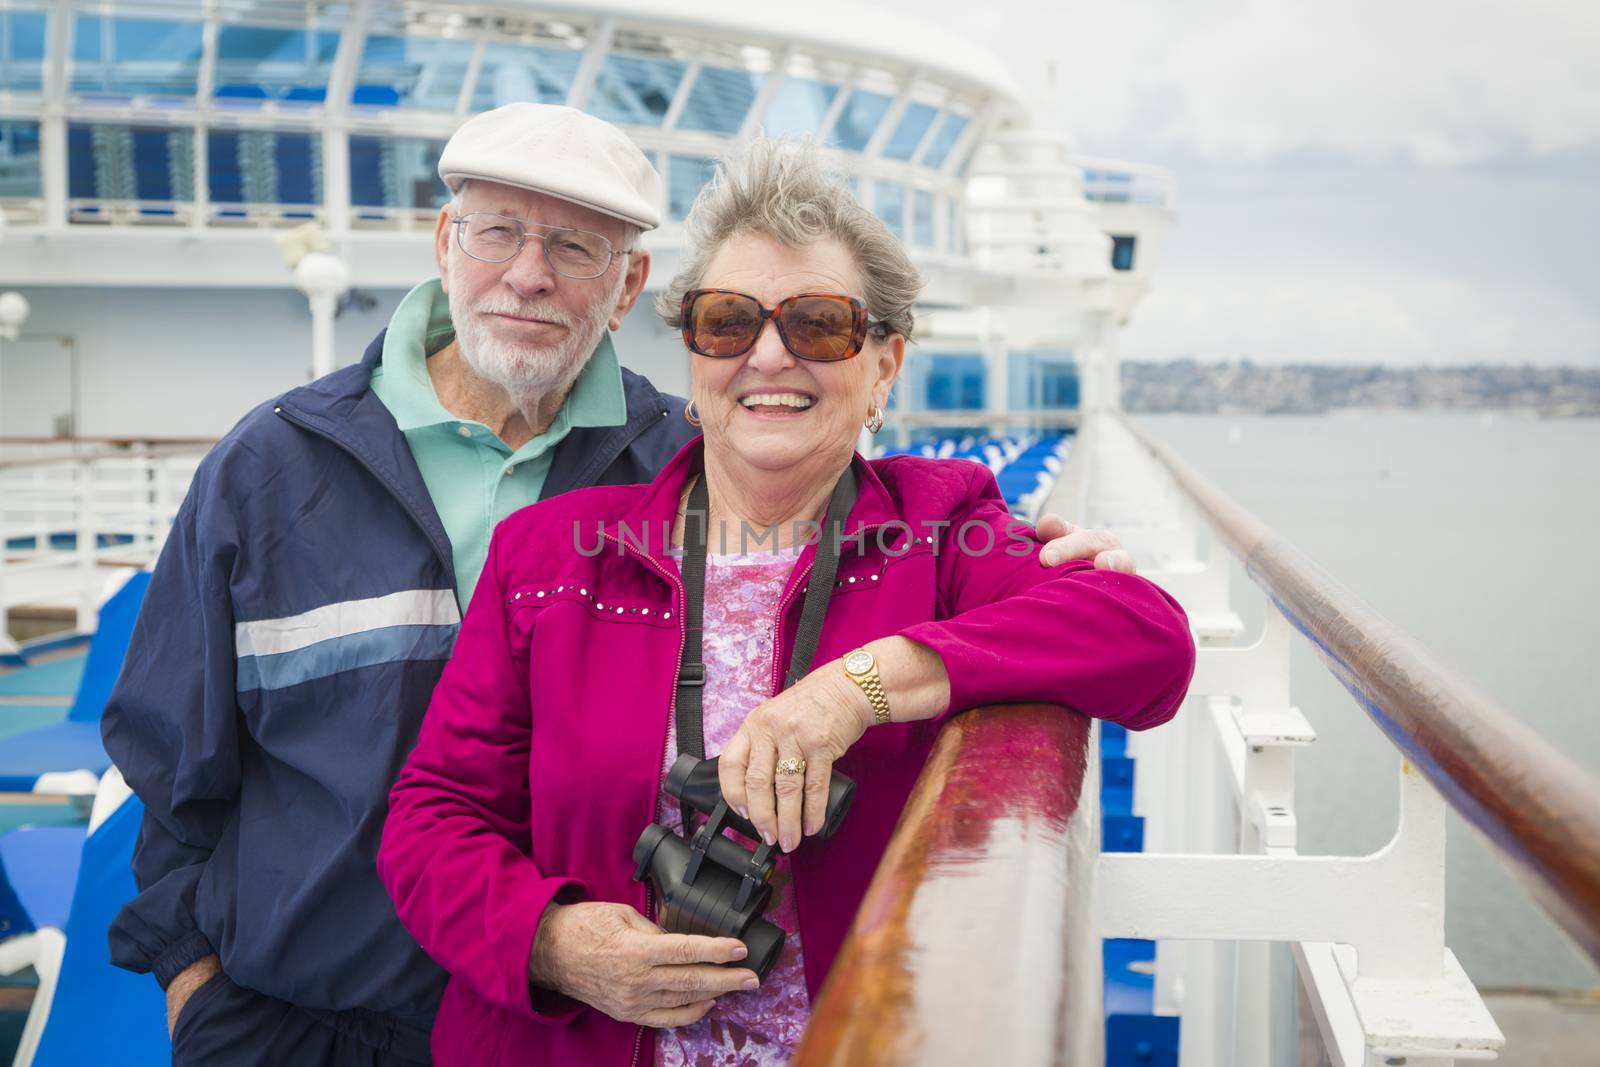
column 1236, row 911
column 70, row 510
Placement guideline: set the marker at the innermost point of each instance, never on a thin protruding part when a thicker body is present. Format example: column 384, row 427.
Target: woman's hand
column 815, row 720
column 618, row 962
column 1065, row 541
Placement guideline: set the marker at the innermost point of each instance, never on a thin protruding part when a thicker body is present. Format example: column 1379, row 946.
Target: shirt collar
column 421, row 326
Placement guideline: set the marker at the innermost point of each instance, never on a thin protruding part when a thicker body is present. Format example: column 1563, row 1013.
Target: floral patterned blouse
column 762, row 1027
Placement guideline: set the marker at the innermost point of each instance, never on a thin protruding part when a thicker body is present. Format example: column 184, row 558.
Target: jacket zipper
column 679, row 598
column 777, row 621
column 443, row 557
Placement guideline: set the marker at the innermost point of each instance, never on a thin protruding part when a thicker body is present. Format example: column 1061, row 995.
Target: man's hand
column 181, row 988
column 1065, row 541
column 618, row 962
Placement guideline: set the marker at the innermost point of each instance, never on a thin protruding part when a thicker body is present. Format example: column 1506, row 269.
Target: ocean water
column 1475, row 534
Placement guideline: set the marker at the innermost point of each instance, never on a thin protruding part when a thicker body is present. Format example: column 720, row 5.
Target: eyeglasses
column 493, row 238
column 824, row 327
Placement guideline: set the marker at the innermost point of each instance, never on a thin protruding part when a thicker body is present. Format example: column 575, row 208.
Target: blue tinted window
column 908, row 134
column 954, row 383
column 889, row 203
column 21, row 50
column 922, row 218
column 950, row 131
column 720, row 100
column 398, row 172
column 19, row 159
column 635, row 91
column 130, row 163
column 1122, row 252
column 262, row 62
column 513, row 73
column 418, row 72
column 685, row 177
column 798, row 107
column 135, row 56
column 860, row 116
column 263, row 167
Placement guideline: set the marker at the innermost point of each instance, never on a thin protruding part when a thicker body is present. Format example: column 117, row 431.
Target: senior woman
column 508, row 843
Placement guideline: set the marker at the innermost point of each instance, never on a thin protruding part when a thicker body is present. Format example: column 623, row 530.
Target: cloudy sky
column 1395, row 181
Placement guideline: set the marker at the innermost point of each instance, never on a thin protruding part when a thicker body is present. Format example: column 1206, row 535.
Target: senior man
column 311, row 588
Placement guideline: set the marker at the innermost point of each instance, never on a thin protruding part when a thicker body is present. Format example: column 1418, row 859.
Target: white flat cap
column 558, row 151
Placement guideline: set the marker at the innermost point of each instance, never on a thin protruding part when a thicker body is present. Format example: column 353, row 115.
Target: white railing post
column 1222, row 883
column 88, row 592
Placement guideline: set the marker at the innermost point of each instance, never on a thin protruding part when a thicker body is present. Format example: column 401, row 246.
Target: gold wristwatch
column 863, row 670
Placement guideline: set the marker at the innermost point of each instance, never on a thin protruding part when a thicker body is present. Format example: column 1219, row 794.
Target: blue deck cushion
column 75, row 744
column 25, row 718
column 101, row 1013
column 107, row 649
column 66, row 746
column 56, row 678
column 41, row 864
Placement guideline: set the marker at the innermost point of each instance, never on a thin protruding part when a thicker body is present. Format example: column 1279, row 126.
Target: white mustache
column 539, row 310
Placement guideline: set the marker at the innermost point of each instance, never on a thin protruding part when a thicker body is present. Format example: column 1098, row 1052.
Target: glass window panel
column 889, row 202
column 912, row 128
column 268, row 62
column 1122, row 249
column 513, row 73
column 418, row 72
column 396, row 172
column 798, row 107
column 955, row 383
column 635, row 91
column 859, row 117
column 135, row 56
column 21, row 51
column 19, row 159
column 263, row 167
column 686, row 175
column 950, row 131
column 107, row 162
column 922, row 218
column 720, row 100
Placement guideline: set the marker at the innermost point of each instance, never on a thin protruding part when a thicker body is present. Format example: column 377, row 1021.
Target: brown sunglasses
column 823, row 327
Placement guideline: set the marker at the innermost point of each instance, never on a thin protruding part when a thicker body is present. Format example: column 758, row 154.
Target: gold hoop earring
column 875, row 420
column 690, row 415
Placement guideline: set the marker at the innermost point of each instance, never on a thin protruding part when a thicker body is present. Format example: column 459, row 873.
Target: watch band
column 871, row 683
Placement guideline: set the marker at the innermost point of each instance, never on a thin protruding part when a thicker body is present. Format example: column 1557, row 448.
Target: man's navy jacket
column 301, row 611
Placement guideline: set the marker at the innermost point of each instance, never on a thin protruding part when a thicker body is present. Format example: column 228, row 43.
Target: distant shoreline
column 1246, row 388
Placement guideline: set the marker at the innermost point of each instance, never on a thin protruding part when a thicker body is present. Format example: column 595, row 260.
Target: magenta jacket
column 539, row 761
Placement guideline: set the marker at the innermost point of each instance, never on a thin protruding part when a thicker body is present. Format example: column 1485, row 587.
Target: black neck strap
column 691, row 669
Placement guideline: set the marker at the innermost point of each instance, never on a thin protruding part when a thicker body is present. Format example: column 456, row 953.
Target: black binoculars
column 726, row 896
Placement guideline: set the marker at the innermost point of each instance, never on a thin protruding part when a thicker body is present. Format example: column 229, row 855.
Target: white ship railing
column 71, row 509
column 954, row 951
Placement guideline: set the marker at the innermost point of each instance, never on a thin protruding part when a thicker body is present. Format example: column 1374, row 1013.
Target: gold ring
column 791, row 766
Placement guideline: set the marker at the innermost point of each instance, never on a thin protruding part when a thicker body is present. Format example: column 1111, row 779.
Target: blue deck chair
column 38, row 868
column 75, row 744
column 99, row 1013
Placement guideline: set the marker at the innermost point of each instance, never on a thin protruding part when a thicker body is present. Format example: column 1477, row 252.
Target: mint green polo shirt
column 474, row 478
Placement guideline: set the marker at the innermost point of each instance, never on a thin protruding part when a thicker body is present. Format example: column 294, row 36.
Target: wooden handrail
column 973, row 943
column 1538, row 807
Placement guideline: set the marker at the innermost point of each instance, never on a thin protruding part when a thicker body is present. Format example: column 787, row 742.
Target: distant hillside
column 1206, row 388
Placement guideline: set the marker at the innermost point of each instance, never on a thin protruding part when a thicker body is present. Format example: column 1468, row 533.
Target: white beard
column 527, row 372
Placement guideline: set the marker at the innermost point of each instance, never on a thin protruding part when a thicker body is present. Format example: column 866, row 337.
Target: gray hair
column 780, row 190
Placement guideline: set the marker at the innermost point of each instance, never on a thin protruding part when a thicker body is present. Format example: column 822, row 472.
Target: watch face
column 858, row 662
